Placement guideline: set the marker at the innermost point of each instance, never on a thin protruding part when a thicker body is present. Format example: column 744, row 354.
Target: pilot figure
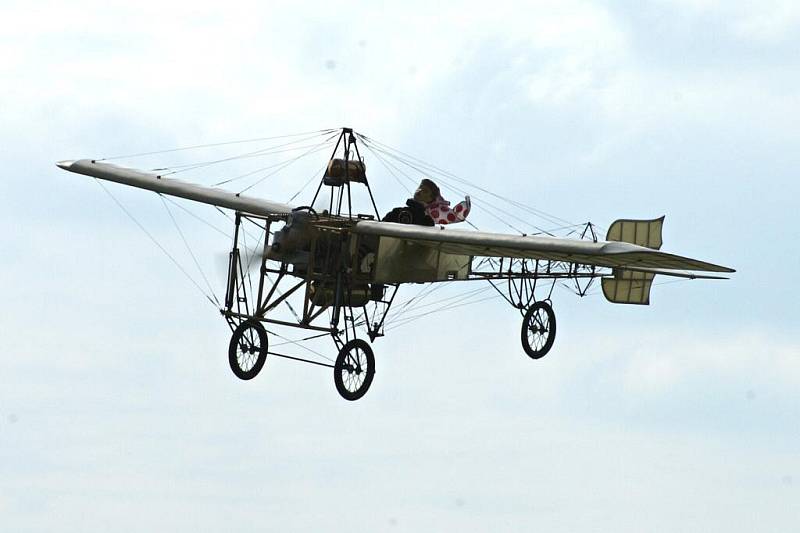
column 428, row 208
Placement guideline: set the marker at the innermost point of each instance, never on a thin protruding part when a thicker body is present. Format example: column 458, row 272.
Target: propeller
column 250, row 259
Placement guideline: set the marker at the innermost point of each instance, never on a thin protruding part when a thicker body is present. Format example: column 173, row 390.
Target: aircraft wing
column 173, row 187
column 618, row 255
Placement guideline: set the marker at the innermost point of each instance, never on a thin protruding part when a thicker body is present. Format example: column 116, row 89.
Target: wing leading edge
column 620, row 255
column 173, row 187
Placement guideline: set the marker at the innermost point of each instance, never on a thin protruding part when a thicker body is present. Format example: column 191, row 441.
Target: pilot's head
column 426, row 192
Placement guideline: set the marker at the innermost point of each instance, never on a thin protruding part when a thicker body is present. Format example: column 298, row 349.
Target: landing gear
column 354, row 369
column 538, row 330
column 247, row 351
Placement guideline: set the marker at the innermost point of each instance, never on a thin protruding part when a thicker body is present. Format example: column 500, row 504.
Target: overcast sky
column 118, row 409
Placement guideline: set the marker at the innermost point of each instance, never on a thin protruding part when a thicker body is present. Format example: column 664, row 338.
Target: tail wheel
column 538, row 330
column 354, row 369
column 247, row 351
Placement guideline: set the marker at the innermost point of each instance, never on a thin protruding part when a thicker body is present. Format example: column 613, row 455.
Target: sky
column 117, row 406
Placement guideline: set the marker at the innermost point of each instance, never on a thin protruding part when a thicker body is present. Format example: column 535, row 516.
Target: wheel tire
column 538, row 330
column 248, row 348
column 354, row 360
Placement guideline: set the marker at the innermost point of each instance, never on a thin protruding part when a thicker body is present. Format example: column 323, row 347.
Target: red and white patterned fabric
column 441, row 212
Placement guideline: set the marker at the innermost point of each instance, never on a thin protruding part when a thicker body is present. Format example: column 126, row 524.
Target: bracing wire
column 312, row 337
column 196, row 217
column 319, row 147
column 481, row 204
column 446, row 302
column 269, row 167
column 313, row 149
column 307, row 183
column 175, row 169
column 538, row 212
column 256, row 153
column 158, row 244
column 422, row 315
column 412, row 302
column 386, row 166
column 213, row 145
column 303, row 346
column 189, row 249
column 232, row 221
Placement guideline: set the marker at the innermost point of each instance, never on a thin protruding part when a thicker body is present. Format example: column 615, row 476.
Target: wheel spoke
column 247, row 351
column 354, row 369
column 538, row 329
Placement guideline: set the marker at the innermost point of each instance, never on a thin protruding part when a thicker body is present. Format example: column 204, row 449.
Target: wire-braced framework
column 307, row 269
column 337, row 299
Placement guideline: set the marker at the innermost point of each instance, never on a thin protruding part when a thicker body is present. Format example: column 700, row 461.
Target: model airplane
column 349, row 268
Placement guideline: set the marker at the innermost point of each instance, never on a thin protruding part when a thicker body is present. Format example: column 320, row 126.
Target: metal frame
column 523, row 279
column 335, row 273
column 278, row 281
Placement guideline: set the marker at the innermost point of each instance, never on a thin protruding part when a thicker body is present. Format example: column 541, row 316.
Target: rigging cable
column 538, row 212
column 481, row 203
column 416, row 317
column 186, row 167
column 189, row 249
column 444, row 301
column 317, row 148
column 256, row 153
column 303, row 346
column 314, row 148
column 313, row 177
column 386, row 166
column 197, row 217
column 389, row 169
column 212, row 145
column 150, row 236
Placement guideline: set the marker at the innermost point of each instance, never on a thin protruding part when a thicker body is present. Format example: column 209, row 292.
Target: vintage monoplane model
column 348, row 267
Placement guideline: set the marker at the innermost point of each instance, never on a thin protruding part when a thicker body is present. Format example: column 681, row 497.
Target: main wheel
column 354, row 369
column 247, row 351
column 538, row 330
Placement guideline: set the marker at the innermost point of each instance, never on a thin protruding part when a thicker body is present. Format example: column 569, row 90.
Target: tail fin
column 628, row 286
column 642, row 232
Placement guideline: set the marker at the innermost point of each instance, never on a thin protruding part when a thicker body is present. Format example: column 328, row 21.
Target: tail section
column 629, row 286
